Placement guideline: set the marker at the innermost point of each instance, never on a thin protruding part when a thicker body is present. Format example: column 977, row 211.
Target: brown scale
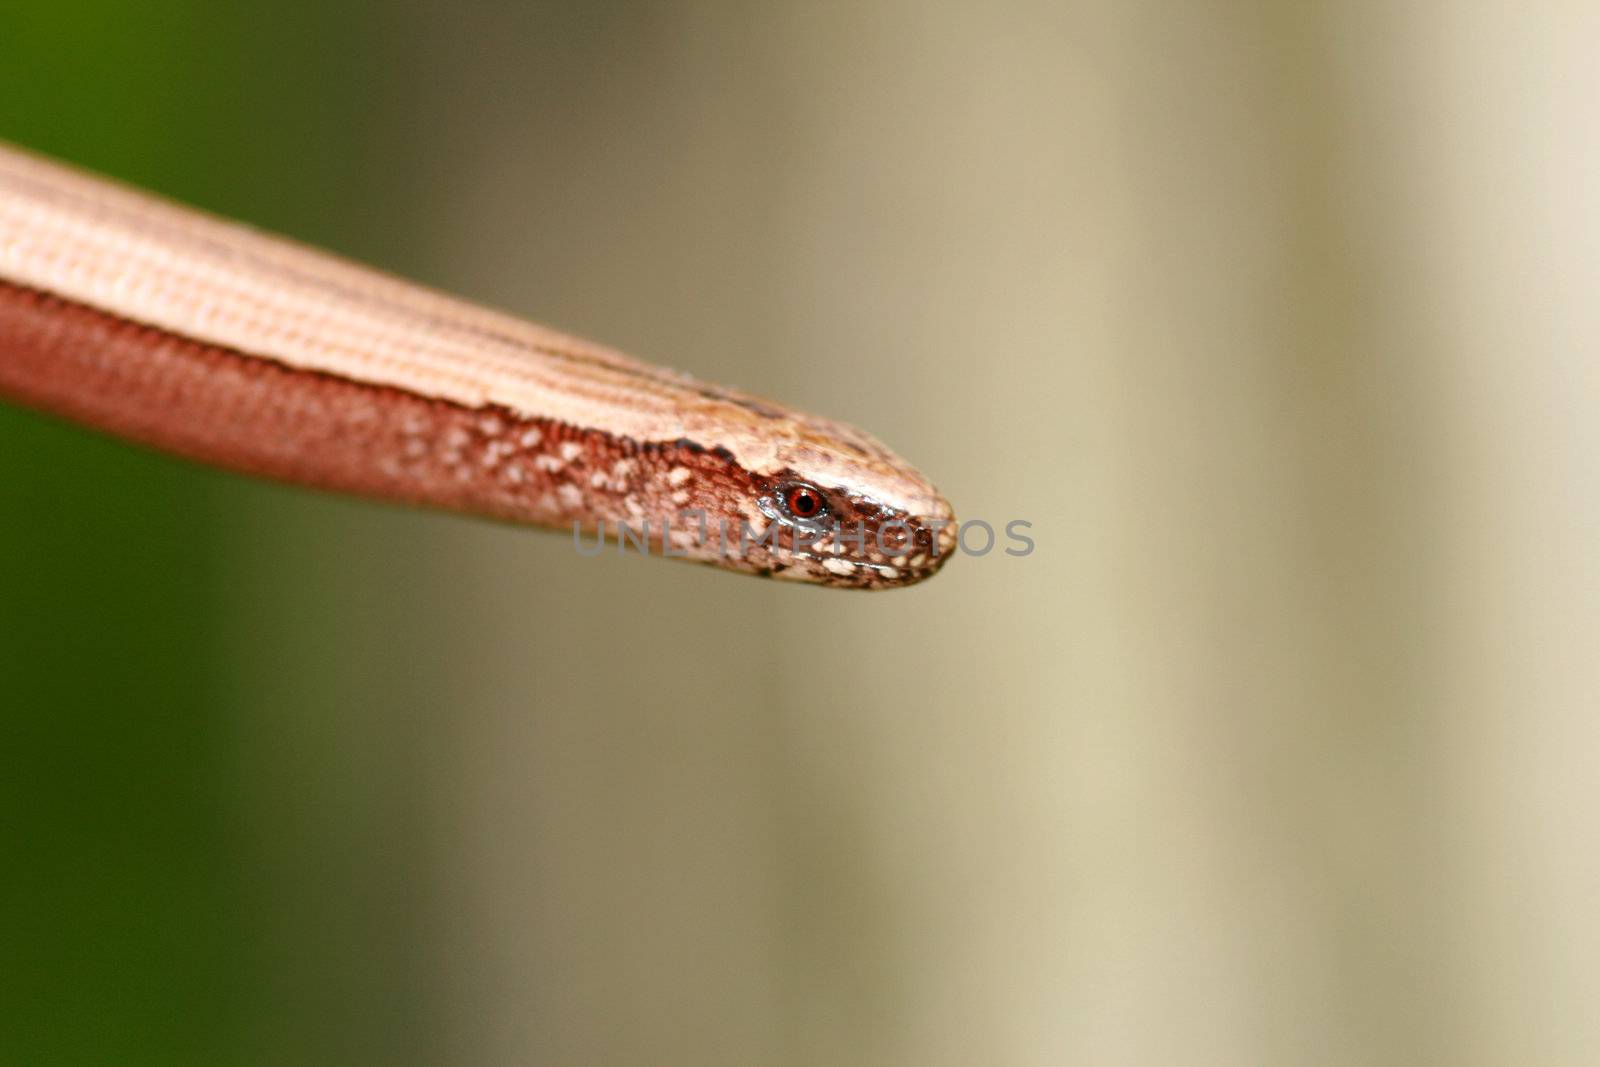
column 264, row 418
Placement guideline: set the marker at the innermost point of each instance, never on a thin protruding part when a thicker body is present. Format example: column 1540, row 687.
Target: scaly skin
column 215, row 342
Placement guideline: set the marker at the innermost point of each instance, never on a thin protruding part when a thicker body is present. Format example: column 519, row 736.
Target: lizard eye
column 803, row 501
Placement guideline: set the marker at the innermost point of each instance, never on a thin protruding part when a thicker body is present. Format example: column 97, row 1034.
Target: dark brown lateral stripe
column 260, row 417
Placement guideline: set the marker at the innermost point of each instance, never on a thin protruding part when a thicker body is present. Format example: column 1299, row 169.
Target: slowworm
column 207, row 339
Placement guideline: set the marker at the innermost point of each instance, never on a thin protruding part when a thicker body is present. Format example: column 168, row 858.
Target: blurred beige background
column 1275, row 320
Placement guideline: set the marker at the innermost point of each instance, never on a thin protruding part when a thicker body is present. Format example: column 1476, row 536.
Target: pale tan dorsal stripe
column 154, row 262
column 43, row 178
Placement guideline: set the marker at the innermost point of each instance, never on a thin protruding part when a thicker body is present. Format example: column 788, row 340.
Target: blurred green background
column 1277, row 321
